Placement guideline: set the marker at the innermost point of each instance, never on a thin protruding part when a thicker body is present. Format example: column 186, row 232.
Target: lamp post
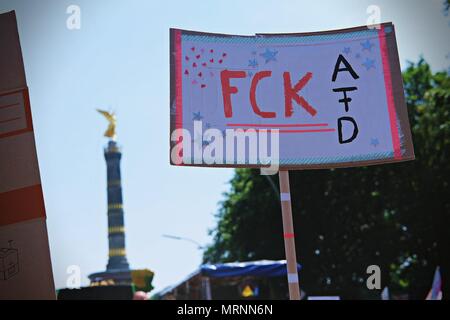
column 199, row 246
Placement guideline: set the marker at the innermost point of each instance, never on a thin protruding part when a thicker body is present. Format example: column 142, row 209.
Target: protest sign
column 290, row 101
column 25, row 266
column 315, row 100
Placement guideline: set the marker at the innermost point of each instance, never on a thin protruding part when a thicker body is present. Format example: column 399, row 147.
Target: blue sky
column 119, row 60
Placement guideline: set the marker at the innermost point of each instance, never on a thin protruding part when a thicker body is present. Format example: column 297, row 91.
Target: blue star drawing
column 250, row 74
column 367, row 45
column 269, row 55
column 369, row 63
column 347, row 50
column 197, row 116
column 252, row 63
column 374, row 142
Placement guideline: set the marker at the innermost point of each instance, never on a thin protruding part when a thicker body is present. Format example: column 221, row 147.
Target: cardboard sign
column 318, row 100
column 25, row 267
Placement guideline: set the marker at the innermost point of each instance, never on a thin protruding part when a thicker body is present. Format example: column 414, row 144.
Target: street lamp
column 199, row 246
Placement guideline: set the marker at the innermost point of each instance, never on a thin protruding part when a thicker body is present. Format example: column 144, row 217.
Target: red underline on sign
column 304, row 131
column 290, row 131
column 277, row 125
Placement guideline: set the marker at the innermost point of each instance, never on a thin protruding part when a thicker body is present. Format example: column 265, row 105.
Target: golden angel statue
column 111, row 117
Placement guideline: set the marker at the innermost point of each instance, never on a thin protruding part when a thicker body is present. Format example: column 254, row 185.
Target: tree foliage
column 395, row 216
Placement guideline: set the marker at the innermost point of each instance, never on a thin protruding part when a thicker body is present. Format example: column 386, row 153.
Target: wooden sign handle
column 289, row 238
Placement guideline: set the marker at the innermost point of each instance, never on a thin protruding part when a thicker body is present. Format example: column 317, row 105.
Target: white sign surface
column 334, row 98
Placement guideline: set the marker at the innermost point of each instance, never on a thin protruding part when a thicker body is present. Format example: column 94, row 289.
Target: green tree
column 393, row 215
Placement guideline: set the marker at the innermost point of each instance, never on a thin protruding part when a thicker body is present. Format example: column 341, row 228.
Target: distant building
column 262, row 279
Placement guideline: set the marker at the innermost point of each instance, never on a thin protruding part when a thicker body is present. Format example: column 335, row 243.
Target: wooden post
column 289, row 238
column 206, row 288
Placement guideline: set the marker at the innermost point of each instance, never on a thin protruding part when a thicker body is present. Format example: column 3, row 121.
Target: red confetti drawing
column 202, row 62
